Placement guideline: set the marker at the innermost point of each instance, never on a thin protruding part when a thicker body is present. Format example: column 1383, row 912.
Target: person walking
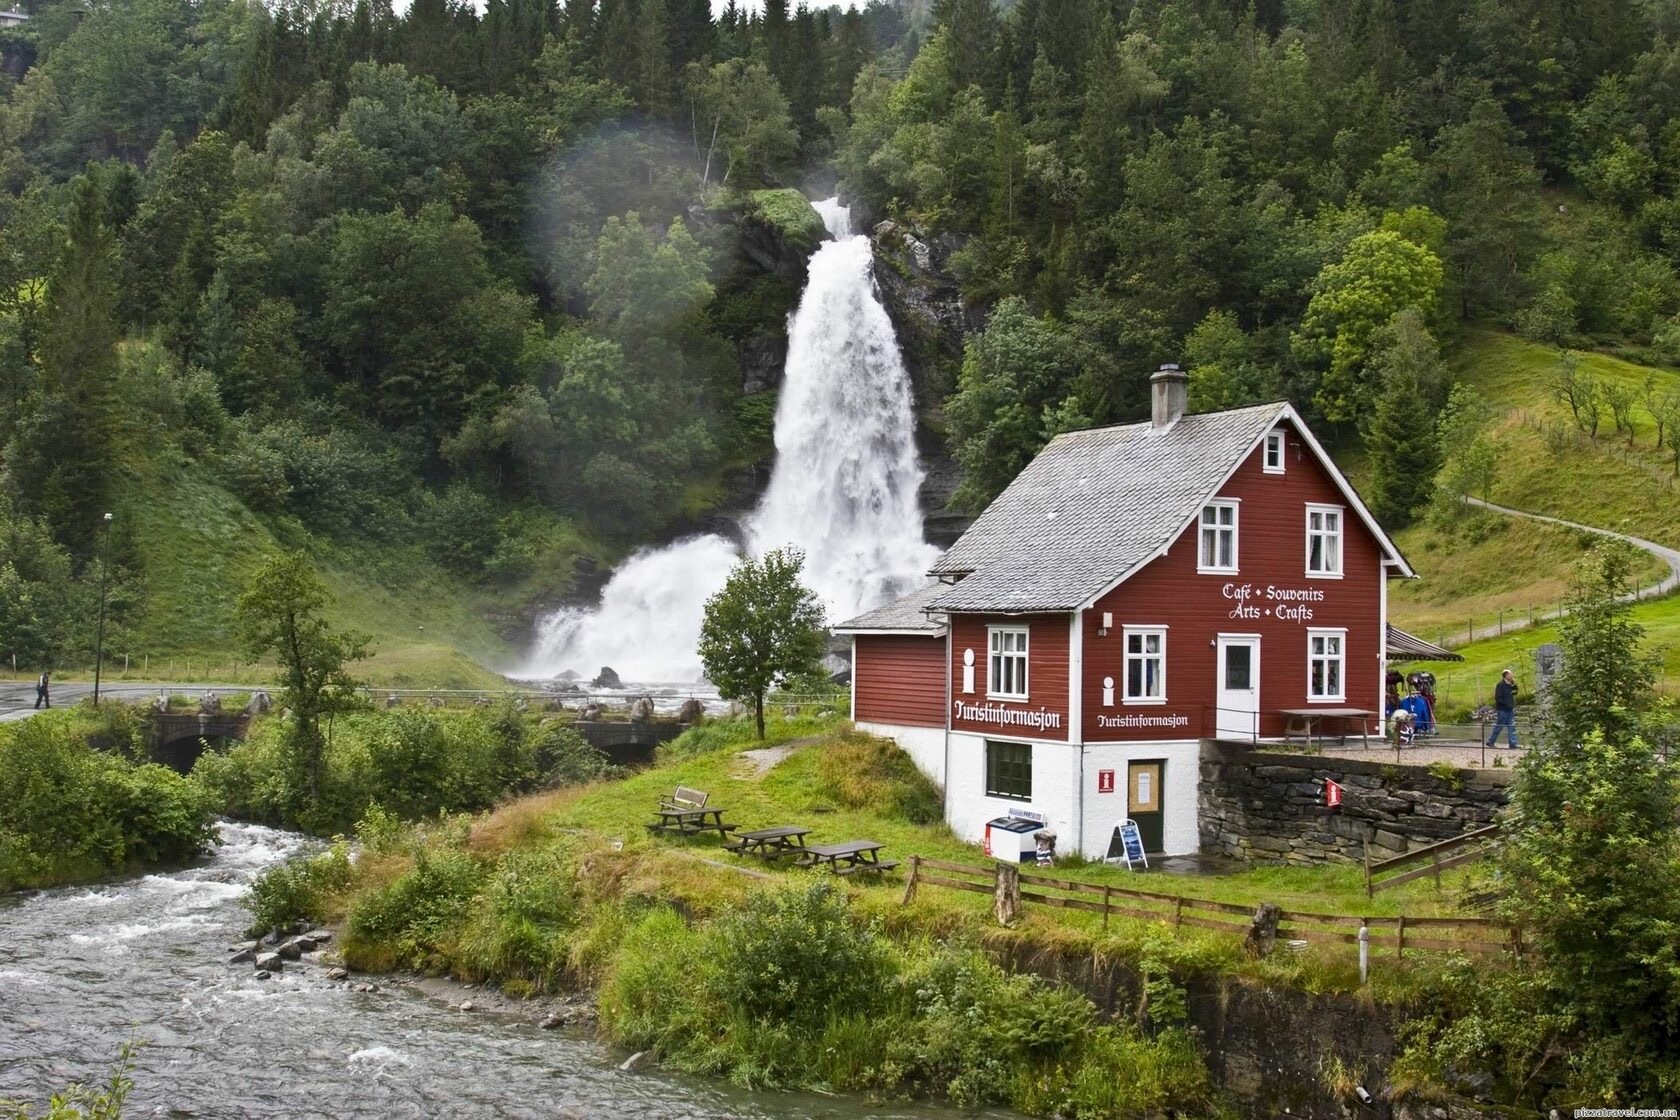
column 1505, row 709
column 42, row 698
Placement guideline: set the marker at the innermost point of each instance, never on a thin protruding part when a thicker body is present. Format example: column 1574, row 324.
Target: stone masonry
column 1263, row 806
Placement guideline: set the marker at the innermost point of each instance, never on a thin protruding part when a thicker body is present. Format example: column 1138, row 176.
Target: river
column 84, row 969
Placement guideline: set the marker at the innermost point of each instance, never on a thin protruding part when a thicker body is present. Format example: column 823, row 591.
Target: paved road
column 1667, row 555
column 17, row 698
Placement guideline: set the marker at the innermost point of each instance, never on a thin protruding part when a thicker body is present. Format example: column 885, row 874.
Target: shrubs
column 410, row 921
column 70, row 812
column 794, row 955
column 297, row 889
column 410, row 763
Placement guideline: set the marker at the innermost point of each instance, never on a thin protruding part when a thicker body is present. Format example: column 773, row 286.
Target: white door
column 1238, row 686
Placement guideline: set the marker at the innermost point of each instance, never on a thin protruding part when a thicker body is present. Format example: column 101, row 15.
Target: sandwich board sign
column 1127, row 844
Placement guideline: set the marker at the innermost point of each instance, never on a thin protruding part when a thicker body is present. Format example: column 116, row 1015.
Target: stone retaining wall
column 1264, row 806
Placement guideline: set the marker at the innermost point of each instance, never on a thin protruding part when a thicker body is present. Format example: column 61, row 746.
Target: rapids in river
column 85, row 969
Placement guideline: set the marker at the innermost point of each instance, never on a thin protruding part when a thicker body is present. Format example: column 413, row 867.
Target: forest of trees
column 451, row 278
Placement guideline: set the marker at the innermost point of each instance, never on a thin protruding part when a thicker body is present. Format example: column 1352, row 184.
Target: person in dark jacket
column 1505, row 709
column 42, row 698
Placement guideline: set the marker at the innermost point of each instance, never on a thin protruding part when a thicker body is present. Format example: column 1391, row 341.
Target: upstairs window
column 1219, row 537
column 1324, row 540
column 1146, row 664
column 1006, row 678
column 1274, row 452
column 1326, row 664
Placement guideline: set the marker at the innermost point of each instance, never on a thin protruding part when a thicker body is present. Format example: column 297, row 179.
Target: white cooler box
column 1010, row 838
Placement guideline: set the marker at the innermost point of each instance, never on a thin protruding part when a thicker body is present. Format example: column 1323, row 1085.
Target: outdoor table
column 770, row 843
column 686, row 821
column 1306, row 721
column 848, row 858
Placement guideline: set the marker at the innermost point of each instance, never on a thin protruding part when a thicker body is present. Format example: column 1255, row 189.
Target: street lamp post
column 99, row 647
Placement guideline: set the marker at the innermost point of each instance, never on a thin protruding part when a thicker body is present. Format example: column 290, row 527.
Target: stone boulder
column 269, row 962
column 606, row 678
column 692, row 711
column 641, row 709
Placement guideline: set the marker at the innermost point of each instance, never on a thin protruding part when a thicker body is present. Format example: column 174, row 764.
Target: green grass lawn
column 809, row 788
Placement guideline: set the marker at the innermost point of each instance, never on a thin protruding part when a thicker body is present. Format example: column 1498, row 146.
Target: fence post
column 910, row 881
column 1006, row 895
column 1364, row 950
column 1106, row 890
column 1178, row 912
column 1368, row 891
column 1400, row 943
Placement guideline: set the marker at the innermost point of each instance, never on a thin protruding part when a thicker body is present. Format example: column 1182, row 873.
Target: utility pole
column 99, row 647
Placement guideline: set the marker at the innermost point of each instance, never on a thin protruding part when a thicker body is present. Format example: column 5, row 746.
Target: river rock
column 319, row 936
column 338, row 974
column 606, row 678
column 305, row 943
column 243, row 956
column 288, row 950
column 269, row 962
column 466, row 1005
column 264, row 974
column 550, row 1021
column 634, row 1062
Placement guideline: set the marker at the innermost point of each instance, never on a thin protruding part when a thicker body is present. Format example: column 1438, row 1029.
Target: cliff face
column 921, row 296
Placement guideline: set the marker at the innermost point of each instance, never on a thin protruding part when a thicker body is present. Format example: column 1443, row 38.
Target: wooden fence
column 1010, row 887
column 1432, row 859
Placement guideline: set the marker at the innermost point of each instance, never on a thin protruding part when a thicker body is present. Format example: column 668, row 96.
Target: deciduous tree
column 762, row 630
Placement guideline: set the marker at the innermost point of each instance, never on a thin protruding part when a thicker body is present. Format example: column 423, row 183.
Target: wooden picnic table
column 770, row 843
column 1305, row 721
column 689, row 820
column 848, row 858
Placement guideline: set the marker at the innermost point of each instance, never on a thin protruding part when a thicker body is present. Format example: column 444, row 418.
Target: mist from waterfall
column 844, row 489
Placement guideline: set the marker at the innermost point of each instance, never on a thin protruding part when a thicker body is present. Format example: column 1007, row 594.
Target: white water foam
column 844, row 489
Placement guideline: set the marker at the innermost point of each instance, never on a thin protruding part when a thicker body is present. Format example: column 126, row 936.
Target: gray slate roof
column 1091, row 507
column 908, row 613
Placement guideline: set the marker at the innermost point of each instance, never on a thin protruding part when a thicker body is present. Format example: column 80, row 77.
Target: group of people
column 1413, row 714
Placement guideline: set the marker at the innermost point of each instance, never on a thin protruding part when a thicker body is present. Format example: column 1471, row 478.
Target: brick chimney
column 1169, row 388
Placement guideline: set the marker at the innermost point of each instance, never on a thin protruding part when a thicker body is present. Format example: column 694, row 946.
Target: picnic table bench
column 848, row 858
column 770, row 843
column 1305, row 722
column 685, row 813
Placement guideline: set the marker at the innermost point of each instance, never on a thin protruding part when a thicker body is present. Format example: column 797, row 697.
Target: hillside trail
column 1668, row 556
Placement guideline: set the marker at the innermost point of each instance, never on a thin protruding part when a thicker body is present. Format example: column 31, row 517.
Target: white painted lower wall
column 924, row 745
column 1058, row 777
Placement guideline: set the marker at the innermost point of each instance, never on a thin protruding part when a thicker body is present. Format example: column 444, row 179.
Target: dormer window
column 1218, row 537
column 1273, row 461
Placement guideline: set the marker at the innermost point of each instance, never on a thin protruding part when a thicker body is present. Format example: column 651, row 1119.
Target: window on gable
column 1324, row 540
column 1146, row 664
column 1006, row 675
column 1326, row 664
column 1219, row 537
column 1274, row 452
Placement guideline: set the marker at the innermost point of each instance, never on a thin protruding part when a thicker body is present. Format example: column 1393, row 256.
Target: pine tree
column 651, row 82
column 615, row 33
column 578, row 22
column 1400, row 438
column 973, row 41
column 66, row 454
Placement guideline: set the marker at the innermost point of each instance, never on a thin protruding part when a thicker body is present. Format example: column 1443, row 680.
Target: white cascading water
column 844, row 489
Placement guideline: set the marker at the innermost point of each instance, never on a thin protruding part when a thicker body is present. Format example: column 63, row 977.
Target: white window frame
column 1274, row 443
column 994, row 658
column 1340, row 535
column 1340, row 659
column 1234, row 505
column 1127, row 657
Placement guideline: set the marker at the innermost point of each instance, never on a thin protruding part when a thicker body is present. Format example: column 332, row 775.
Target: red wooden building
column 1137, row 589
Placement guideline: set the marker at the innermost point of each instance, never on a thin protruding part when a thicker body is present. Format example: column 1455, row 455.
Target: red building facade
column 1135, row 591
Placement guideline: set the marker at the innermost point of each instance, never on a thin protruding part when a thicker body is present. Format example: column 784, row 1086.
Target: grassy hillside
column 199, row 546
column 1549, row 466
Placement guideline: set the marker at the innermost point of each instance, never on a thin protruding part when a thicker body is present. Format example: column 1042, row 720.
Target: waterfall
column 844, row 489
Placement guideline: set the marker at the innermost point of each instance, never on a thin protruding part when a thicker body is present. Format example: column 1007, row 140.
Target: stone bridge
column 176, row 739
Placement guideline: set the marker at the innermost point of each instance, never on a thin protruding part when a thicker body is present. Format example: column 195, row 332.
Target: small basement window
column 1009, row 770
column 1006, row 676
column 1146, row 664
column 1326, row 664
column 1274, row 452
column 1219, row 537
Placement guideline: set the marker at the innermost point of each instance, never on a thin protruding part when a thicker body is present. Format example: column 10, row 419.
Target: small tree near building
column 763, row 629
column 279, row 616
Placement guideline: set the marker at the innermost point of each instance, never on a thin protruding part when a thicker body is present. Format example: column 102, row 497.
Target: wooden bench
column 848, row 858
column 684, row 798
